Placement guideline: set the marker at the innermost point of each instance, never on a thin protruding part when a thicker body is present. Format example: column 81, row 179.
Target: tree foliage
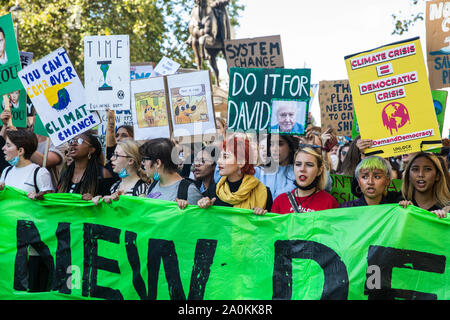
column 156, row 27
column 403, row 22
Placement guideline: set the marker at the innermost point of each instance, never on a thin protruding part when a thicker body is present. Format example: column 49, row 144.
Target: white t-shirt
column 23, row 178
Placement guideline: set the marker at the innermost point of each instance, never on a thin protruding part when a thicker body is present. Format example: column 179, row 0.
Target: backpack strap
column 293, row 202
column 35, row 179
column 7, row 171
column 182, row 193
column 150, row 188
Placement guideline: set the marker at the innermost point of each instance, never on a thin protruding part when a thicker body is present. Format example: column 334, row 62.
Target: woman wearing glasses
column 126, row 163
column 159, row 157
column 86, row 174
column 310, row 179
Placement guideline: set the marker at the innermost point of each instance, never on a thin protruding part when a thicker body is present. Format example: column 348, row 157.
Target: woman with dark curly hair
column 86, row 174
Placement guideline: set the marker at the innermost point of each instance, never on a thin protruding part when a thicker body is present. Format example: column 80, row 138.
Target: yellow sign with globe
column 392, row 99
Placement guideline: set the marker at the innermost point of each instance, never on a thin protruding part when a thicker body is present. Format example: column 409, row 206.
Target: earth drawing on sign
column 395, row 116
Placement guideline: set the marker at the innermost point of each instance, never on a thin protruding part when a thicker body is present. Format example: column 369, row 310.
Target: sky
column 318, row 34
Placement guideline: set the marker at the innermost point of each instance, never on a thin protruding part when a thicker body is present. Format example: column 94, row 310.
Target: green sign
column 18, row 105
column 341, row 187
column 138, row 248
column 252, row 90
column 9, row 57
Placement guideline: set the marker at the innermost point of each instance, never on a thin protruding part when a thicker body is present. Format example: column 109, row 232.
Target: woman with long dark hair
column 159, row 158
column 278, row 172
column 425, row 184
column 86, row 174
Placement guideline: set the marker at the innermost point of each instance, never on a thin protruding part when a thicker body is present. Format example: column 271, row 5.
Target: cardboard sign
column 149, row 109
column 191, row 105
column 392, row 99
column 165, row 67
column 9, row 57
column 262, row 52
column 438, row 43
column 107, row 72
column 336, row 105
column 252, row 90
column 58, row 96
column 440, row 104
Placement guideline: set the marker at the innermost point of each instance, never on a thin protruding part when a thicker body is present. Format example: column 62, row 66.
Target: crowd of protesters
column 273, row 173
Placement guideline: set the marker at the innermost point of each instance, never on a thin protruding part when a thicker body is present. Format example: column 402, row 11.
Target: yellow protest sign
column 392, row 99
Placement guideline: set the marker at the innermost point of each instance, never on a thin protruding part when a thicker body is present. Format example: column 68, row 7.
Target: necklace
column 308, row 197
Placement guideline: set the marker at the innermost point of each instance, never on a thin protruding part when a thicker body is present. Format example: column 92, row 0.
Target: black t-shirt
column 3, row 162
column 434, row 207
column 234, row 186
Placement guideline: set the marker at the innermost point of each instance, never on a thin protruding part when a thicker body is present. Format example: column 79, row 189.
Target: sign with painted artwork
column 9, row 57
column 107, row 72
column 252, row 91
column 438, row 43
column 392, row 99
column 165, row 67
column 336, row 106
column 58, row 96
column 191, row 105
column 149, row 109
column 261, row 52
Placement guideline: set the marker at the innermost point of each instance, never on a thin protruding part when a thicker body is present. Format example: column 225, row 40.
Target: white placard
column 191, row 104
column 107, row 72
column 149, row 110
column 58, row 97
column 165, row 67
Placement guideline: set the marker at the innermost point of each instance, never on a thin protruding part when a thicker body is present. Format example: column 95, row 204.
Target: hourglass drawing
column 104, row 67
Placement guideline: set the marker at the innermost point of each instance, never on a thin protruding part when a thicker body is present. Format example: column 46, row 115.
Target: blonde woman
column 310, row 180
column 425, row 186
column 126, row 161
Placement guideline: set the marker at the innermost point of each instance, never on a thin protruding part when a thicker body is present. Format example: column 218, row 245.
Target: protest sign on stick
column 149, row 109
column 191, row 107
column 107, row 72
column 261, row 52
column 392, row 99
column 58, row 96
column 252, row 91
column 336, row 106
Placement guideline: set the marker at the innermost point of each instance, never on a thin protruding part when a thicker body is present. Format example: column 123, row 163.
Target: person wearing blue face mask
column 159, row 160
column 125, row 162
column 22, row 173
column 36, row 181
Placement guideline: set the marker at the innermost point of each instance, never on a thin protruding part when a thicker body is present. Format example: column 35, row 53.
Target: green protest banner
column 39, row 127
column 9, row 57
column 257, row 93
column 138, row 248
column 342, row 185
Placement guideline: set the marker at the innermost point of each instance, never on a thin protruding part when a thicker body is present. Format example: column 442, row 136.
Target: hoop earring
column 358, row 189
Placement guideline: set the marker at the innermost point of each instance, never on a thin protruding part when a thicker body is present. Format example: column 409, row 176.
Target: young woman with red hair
column 238, row 187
